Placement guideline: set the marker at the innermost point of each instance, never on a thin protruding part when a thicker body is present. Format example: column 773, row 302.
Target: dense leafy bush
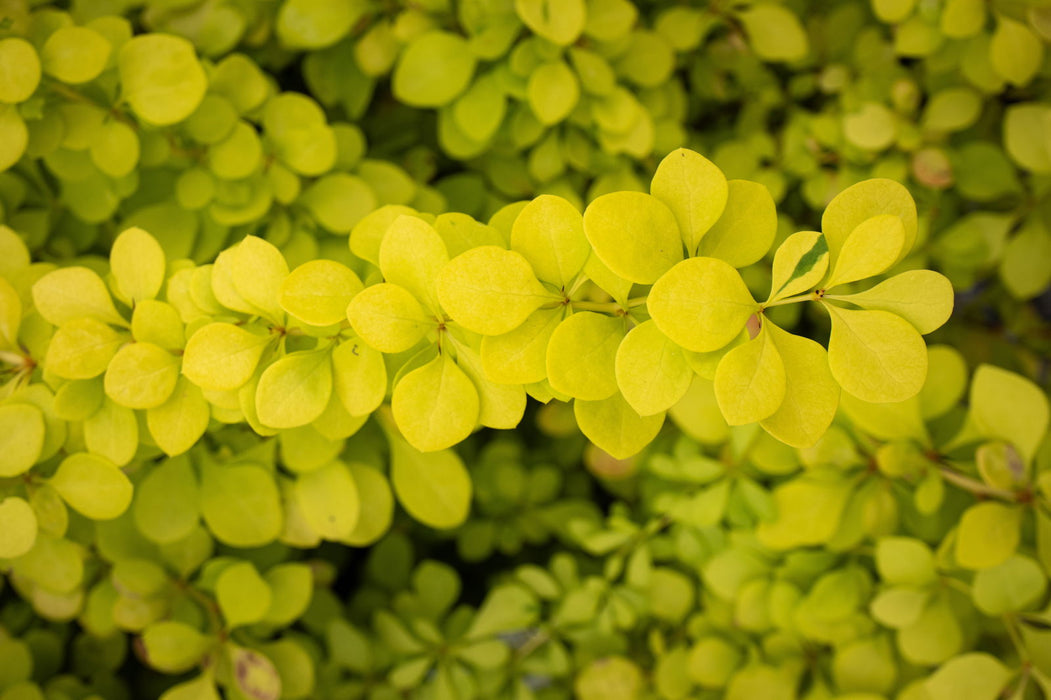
column 360, row 349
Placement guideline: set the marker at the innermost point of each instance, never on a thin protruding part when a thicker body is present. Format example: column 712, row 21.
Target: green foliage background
column 217, row 480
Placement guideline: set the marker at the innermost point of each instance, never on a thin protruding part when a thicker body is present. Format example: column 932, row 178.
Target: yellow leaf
column 549, row 233
column 435, row 406
column 138, row 264
column 652, row 371
column 222, row 356
column 924, row 298
column 750, row 381
column 694, row 189
column 520, row 357
column 811, row 393
column 615, row 427
column 359, row 377
column 876, row 355
column 634, row 234
column 746, row 229
column 388, row 317
column 319, row 291
column 581, row 355
column 412, row 255
column 871, row 248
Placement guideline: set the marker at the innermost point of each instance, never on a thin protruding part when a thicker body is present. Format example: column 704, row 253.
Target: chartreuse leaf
column 922, row 297
column 291, row 587
column 433, row 69
column 82, row 348
column 988, row 535
column 507, row 608
column 811, row 393
column 899, row 607
column 905, row 561
column 161, row 77
column 242, row 594
column 329, row 500
column 434, row 487
column 71, row 293
column 520, row 356
column 750, row 381
column 652, row 371
column 1008, row 406
column 808, row 513
column 20, row 66
column 240, row 504
column 560, row 22
column 174, row 647
column 490, row 290
column 178, row 423
column 615, row 427
column 701, row 304
column 18, row 527
column 138, row 264
column 872, row 247
column 93, row 486
column 746, row 229
column 549, row 234
column 359, row 377
column 774, row 32
column 222, row 356
column 1015, row 51
column 694, row 189
column 141, row 375
column 294, row 390
column 10, row 315
column 377, row 505
column 581, row 355
column 166, row 502
column 159, row 323
column 436, row 405
column 200, row 688
column 412, row 255
column 634, row 234
column 112, row 432
column 973, row 676
column 1025, row 136
column 500, row 406
column 1012, row 586
column 606, row 280
column 712, row 662
column 552, row 92
column 367, row 235
column 863, row 201
column 389, row 318
column 319, row 291
column 315, row 24
column 876, row 356
column 257, row 271
column 799, row 264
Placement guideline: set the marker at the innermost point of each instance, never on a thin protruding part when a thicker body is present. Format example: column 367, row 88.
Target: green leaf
column 93, row 486
column 876, row 355
column 242, row 594
column 1026, row 136
column 774, row 32
column 750, row 381
column 166, row 502
column 799, row 264
column 315, row 24
column 811, row 392
column 863, row 201
column 615, row 427
column 712, row 662
column 412, row 255
column 549, row 234
column 652, row 372
column 200, row 688
column 294, row 390
column 694, row 189
column 552, row 92
column 141, row 375
column 161, row 77
column 339, row 202
column 634, row 234
column 1016, row 584
column 10, row 315
column 222, row 356
column 871, row 248
column 1015, row 52
column 973, row 676
column 808, row 513
column 434, row 487
column 701, row 304
column 745, row 231
column 490, row 290
column 14, row 136
column 240, row 504
column 436, row 405
column 174, row 647
column 291, row 586
column 296, row 127
column 962, row 18
column 1008, row 406
column 389, row 318
column 922, row 297
column 138, row 264
column 329, row 500
column 988, row 535
column 432, row 70
column 1021, row 268
column 507, row 608
column 319, row 291
column 520, row 357
column 905, row 561
column 359, row 377
column 377, row 505
column 178, row 423
column 609, row 678
column 82, row 348
column 71, row 293
column 18, row 527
